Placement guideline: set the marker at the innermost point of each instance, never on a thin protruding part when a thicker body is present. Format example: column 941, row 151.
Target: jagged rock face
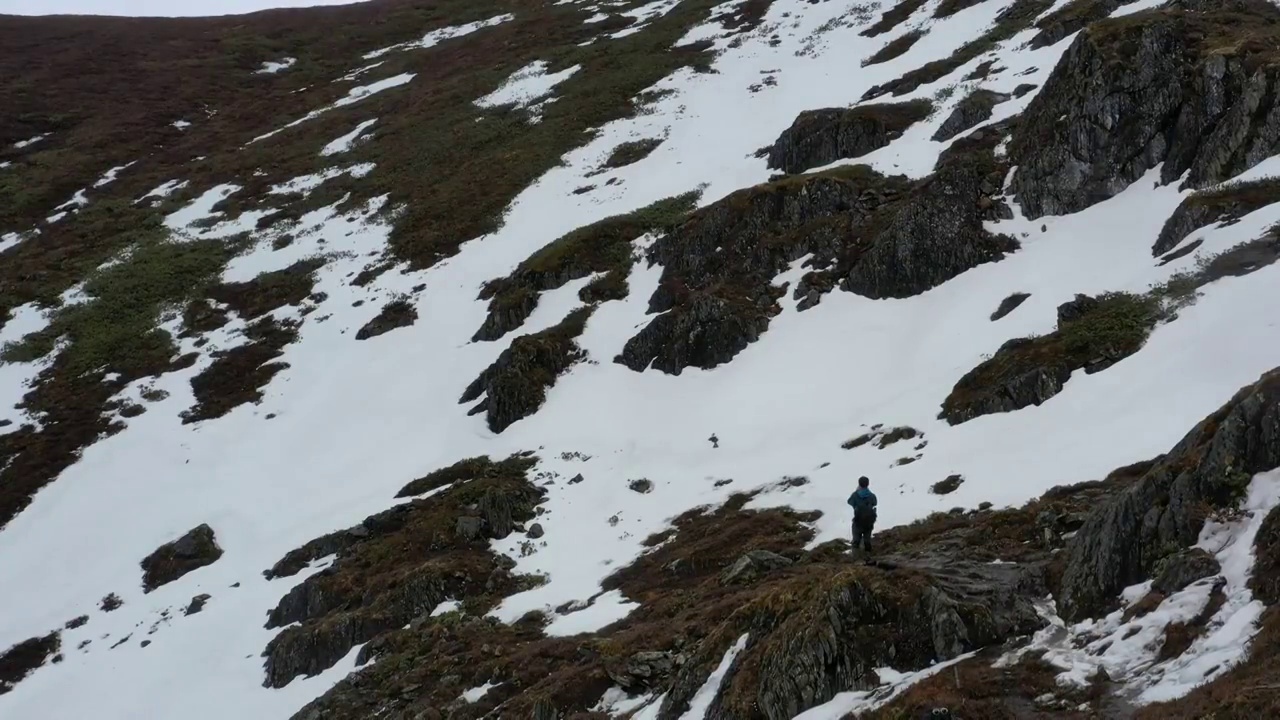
column 976, row 107
column 872, row 235
column 716, row 293
column 172, row 560
column 855, row 622
column 515, row 385
column 937, row 231
column 1124, row 538
column 820, row 137
column 1164, row 86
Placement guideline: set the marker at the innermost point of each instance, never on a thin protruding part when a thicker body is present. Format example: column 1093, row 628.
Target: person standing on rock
column 863, row 502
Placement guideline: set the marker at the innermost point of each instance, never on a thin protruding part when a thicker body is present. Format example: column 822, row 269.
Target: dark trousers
column 862, row 534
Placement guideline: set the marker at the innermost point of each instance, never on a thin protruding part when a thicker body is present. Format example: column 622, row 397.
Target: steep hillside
column 515, row 359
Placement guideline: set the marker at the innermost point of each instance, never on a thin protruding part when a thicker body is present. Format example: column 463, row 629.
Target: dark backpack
column 864, row 508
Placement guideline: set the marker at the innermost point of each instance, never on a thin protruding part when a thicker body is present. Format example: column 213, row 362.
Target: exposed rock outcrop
column 1092, row 334
column 938, row 231
column 603, row 247
column 1265, row 581
column 516, row 384
column 172, row 560
column 22, row 659
column 395, row 314
column 820, row 137
column 976, row 107
column 403, row 563
column 1072, row 18
column 1126, row 537
column 1191, row 87
column 752, row 565
column 1226, row 205
column 1009, row 304
column 876, row 236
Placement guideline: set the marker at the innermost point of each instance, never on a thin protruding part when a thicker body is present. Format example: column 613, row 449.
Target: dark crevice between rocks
column 1225, row 205
column 394, row 569
column 1191, row 88
column 22, row 659
column 395, row 314
column 1009, row 22
column 194, row 550
column 1009, row 304
column 976, row 107
column 876, row 236
column 515, row 385
column 237, row 376
column 821, row 137
column 604, row 247
column 896, row 47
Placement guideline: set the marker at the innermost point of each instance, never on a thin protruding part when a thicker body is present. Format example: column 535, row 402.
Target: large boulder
column 194, row 550
column 976, row 107
column 1191, row 88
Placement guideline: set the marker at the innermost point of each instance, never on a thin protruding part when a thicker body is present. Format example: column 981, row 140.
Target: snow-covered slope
column 345, row 423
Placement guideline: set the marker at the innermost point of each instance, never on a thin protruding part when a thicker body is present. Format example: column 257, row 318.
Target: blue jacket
column 863, row 502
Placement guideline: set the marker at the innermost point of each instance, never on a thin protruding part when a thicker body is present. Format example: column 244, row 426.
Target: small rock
column 1073, row 310
column 722, row 483
column 197, row 604
column 536, row 531
column 642, row 486
column 74, row 623
column 576, row 479
column 111, row 602
column 469, row 528
column 984, row 506
column 145, row 643
column 948, row 485
column 752, row 565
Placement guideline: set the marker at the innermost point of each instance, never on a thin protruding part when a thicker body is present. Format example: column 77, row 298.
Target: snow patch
column 306, row 183
column 110, row 176
column 348, row 141
column 528, row 86
column 354, row 95
column 435, row 37
column 272, row 67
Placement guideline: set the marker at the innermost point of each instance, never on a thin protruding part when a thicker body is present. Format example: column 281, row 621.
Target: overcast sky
column 169, row 8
